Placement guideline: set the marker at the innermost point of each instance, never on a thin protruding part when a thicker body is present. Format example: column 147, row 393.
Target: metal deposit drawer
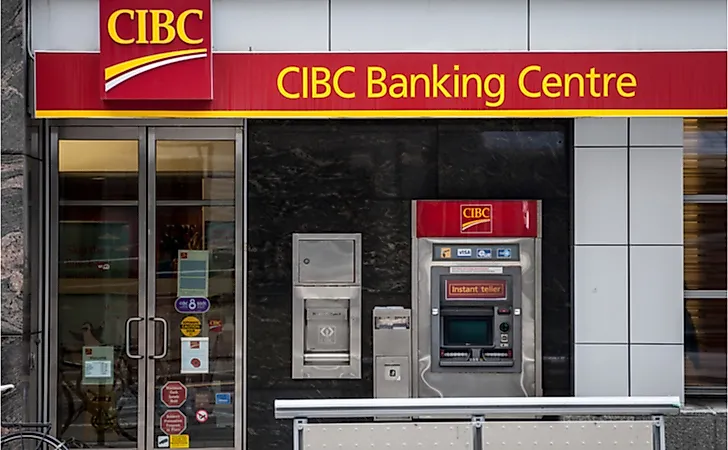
column 327, row 326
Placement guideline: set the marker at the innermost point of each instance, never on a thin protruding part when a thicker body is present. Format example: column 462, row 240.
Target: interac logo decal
column 476, row 219
column 165, row 28
column 168, row 42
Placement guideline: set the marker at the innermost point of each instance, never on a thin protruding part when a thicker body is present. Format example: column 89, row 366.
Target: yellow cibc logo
column 476, row 219
column 158, row 19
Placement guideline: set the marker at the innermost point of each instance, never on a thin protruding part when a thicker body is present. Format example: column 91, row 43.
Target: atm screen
column 467, row 331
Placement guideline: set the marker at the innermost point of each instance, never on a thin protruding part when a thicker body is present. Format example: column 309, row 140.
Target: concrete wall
column 447, row 25
column 628, row 257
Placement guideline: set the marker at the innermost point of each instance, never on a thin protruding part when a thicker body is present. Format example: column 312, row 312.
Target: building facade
column 254, row 131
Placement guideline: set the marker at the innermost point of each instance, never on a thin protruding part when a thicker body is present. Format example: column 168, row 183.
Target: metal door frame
column 146, row 134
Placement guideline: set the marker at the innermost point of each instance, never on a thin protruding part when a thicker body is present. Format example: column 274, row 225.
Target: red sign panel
column 173, row 421
column 677, row 84
column 155, row 50
column 474, row 218
column 174, row 394
column 475, row 289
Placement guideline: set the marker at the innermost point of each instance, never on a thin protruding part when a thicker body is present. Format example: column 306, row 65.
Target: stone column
column 15, row 163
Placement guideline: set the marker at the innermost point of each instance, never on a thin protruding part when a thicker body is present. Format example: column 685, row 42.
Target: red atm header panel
column 476, row 218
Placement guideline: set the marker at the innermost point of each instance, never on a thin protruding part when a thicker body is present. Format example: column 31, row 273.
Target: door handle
column 127, row 337
column 165, row 337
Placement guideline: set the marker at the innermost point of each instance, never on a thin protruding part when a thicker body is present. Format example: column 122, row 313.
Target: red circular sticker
column 201, row 415
column 195, row 362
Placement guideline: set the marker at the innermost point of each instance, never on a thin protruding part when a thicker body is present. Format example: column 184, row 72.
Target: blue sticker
column 192, row 305
column 485, row 253
column 504, row 253
column 465, row 253
column 223, row 398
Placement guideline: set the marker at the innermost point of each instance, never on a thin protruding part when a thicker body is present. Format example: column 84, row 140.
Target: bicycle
column 34, row 439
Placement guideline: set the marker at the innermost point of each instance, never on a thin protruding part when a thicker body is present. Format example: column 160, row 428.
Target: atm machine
column 476, row 298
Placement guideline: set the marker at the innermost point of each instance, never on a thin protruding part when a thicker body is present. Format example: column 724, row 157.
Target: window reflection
column 704, row 175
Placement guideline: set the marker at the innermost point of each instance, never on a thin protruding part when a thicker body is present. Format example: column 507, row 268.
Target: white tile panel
column 656, row 295
column 601, row 370
column 600, row 196
column 237, row 25
column 656, row 132
column 656, row 195
column 437, row 25
column 657, row 370
column 628, row 25
column 69, row 25
column 270, row 25
column 600, row 132
column 600, row 295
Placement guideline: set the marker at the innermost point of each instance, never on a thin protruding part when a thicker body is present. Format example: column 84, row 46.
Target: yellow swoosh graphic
column 472, row 223
column 116, row 69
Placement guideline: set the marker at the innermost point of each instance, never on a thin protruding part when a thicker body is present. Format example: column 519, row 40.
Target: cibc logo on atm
column 156, row 49
column 476, row 219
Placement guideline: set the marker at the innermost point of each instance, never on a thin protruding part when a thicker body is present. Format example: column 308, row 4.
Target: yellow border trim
column 373, row 114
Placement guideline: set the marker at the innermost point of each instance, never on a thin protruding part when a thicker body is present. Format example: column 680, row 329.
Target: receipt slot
column 392, row 346
column 326, row 306
column 477, row 298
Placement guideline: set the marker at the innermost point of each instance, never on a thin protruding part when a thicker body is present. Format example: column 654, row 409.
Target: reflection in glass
column 705, row 245
column 705, row 342
column 98, row 170
column 704, row 162
column 98, row 285
column 195, row 170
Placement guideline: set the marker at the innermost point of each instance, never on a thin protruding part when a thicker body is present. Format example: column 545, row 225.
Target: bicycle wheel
column 30, row 440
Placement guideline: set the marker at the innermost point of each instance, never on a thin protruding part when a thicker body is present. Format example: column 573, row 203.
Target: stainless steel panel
column 391, row 348
column 324, row 358
column 405, row 436
column 584, row 435
column 429, row 383
column 326, row 309
column 325, row 259
column 392, row 377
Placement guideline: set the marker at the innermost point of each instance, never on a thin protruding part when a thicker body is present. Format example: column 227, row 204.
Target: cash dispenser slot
column 327, row 332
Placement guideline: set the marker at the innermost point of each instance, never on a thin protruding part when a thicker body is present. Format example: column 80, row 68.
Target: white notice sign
column 195, row 355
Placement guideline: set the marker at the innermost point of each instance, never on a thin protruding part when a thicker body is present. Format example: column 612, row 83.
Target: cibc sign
column 156, row 49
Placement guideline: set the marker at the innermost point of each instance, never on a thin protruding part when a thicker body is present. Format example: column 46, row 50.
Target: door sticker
column 201, row 415
column 192, row 278
column 192, row 305
column 179, row 441
column 195, row 355
column 190, row 326
column 98, row 365
column 162, row 441
column 215, row 325
column 174, row 394
column 223, row 398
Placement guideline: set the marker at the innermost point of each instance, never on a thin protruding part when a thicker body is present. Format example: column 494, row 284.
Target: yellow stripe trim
column 116, row 69
column 551, row 113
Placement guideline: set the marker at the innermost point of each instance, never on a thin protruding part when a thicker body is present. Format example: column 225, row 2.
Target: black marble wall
column 360, row 176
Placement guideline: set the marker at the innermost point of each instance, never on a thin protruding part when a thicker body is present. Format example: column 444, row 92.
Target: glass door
column 100, row 239
column 149, row 303
column 194, row 299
